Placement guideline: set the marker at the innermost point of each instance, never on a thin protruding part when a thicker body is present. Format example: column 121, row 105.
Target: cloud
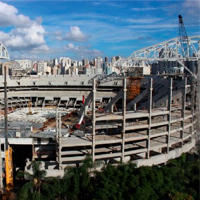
column 82, row 51
column 74, row 34
column 9, row 16
column 191, row 10
column 25, row 38
column 154, row 26
column 144, row 9
column 145, row 38
column 25, row 34
column 144, row 20
column 108, row 28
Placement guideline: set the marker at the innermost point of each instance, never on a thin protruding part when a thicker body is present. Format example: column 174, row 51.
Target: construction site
column 130, row 117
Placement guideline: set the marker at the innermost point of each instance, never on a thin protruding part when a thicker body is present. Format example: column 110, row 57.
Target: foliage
column 179, row 179
column 35, row 188
column 77, row 181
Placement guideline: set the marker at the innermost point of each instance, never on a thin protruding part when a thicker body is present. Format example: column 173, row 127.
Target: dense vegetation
column 178, row 180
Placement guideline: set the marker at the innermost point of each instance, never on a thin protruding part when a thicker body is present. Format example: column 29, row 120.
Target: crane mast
column 183, row 38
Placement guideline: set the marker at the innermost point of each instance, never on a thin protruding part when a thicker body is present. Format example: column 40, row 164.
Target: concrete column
column 135, row 107
column 169, row 115
column 11, row 99
column 184, row 91
column 85, row 110
column 1, row 170
column 12, row 104
column 198, row 98
column 75, row 103
column 112, row 108
column 21, row 99
column 57, row 124
column 149, row 120
column 57, row 142
column 43, row 103
column 36, row 102
column 27, row 103
column 59, row 139
column 193, row 102
column 33, row 149
column 19, row 103
column 59, row 102
column 5, row 109
column 124, row 119
column 93, row 119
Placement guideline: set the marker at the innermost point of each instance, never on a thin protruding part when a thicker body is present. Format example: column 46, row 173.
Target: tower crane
column 185, row 46
column 183, row 38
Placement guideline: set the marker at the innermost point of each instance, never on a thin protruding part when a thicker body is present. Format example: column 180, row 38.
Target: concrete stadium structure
column 157, row 125
column 146, row 120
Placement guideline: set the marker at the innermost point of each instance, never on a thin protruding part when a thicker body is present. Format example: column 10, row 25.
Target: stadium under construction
column 130, row 117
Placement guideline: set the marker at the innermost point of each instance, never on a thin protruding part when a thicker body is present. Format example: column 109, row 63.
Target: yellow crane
column 9, row 169
column 8, row 149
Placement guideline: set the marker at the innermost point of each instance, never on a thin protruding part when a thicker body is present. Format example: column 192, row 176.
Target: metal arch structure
column 170, row 50
column 3, row 52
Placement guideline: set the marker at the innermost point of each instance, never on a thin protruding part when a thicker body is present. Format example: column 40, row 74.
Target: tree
column 178, row 180
column 32, row 190
column 77, row 181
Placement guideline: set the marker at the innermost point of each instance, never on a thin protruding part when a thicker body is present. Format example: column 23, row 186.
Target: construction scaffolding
column 141, row 136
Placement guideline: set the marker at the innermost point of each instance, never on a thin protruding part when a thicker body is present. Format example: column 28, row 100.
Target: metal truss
column 170, row 50
column 167, row 51
column 3, row 52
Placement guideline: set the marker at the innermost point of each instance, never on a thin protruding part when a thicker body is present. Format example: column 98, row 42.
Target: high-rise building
column 35, row 67
column 42, row 67
column 25, row 64
column 74, row 63
column 85, row 61
column 80, row 63
column 65, row 63
column 98, row 62
column 106, row 59
column 55, row 70
column 55, row 62
column 113, row 60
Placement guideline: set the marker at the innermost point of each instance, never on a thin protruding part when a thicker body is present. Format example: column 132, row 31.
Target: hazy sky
column 47, row 29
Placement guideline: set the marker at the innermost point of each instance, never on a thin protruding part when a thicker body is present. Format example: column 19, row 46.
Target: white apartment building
column 55, row 62
column 98, row 62
column 66, row 63
column 43, row 67
column 25, row 64
column 75, row 63
column 79, row 63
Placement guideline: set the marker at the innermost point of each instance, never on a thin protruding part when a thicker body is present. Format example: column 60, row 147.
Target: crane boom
column 183, row 38
column 184, row 41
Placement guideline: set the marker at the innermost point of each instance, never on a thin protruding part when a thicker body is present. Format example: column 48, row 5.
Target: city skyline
column 88, row 29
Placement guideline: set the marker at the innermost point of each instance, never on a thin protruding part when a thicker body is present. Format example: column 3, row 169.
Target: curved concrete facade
column 58, row 90
column 160, row 126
